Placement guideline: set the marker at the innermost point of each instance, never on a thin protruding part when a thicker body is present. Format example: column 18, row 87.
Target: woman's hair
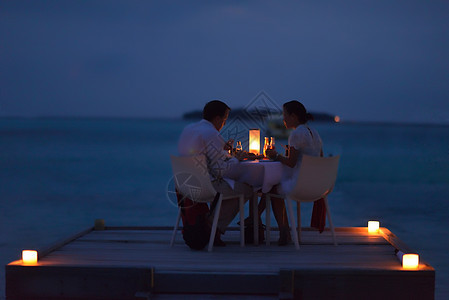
column 296, row 108
column 214, row 108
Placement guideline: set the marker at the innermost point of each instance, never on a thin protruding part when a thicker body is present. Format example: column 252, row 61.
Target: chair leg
column 328, row 212
column 242, row 220
column 214, row 224
column 176, row 227
column 298, row 218
column 293, row 223
column 267, row 219
column 256, row 220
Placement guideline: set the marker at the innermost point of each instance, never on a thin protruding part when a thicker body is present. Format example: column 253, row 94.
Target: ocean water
column 58, row 175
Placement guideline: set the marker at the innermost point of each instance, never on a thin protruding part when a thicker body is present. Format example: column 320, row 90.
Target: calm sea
column 58, row 175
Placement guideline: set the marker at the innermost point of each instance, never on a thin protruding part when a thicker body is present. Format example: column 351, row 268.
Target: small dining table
column 262, row 175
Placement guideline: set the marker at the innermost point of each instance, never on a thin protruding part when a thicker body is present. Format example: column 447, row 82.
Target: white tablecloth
column 261, row 174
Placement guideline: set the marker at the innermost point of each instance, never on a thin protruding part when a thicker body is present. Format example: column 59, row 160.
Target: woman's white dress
column 305, row 140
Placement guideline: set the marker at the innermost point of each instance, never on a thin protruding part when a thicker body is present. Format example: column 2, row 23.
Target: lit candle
column 254, row 141
column 373, row 226
column 29, row 256
column 410, row 261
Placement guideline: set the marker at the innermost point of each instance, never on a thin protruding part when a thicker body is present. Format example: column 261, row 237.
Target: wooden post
column 99, row 224
column 286, row 284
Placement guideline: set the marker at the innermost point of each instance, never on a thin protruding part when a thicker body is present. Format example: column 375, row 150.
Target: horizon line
column 180, row 118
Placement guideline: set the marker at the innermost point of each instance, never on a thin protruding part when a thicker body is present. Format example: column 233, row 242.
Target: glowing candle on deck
column 254, row 141
column 373, row 226
column 29, row 256
column 410, row 261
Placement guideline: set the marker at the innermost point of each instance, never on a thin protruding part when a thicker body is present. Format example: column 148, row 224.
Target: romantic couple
column 204, row 137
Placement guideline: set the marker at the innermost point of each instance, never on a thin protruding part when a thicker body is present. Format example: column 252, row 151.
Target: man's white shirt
column 203, row 138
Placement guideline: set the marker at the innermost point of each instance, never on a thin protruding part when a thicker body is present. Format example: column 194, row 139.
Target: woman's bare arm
column 289, row 160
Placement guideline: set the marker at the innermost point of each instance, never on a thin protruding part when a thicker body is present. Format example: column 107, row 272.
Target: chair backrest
column 192, row 178
column 316, row 178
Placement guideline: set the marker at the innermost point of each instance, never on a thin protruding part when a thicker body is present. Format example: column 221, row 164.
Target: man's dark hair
column 213, row 109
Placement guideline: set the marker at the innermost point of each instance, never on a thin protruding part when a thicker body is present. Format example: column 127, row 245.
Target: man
column 204, row 137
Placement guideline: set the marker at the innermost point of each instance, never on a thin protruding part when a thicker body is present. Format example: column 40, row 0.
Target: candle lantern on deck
column 373, row 226
column 29, row 257
column 254, row 141
column 410, row 261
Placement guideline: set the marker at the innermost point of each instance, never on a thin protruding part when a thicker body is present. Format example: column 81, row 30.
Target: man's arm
column 219, row 161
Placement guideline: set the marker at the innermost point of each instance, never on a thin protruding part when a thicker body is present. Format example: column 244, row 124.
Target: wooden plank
column 358, row 284
column 358, row 230
column 52, row 282
column 44, row 251
column 312, row 237
column 142, row 228
column 395, row 241
column 231, row 258
column 216, row 282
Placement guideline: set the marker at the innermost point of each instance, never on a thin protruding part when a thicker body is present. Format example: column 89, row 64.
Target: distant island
column 258, row 114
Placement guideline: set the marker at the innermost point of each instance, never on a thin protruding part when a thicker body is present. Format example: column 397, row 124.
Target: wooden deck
column 130, row 263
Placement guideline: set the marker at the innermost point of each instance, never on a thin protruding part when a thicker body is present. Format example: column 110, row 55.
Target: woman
column 302, row 140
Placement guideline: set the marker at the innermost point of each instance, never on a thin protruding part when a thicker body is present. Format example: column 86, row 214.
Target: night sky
column 379, row 60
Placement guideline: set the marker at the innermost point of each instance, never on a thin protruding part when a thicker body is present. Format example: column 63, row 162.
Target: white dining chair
column 192, row 181
column 316, row 179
